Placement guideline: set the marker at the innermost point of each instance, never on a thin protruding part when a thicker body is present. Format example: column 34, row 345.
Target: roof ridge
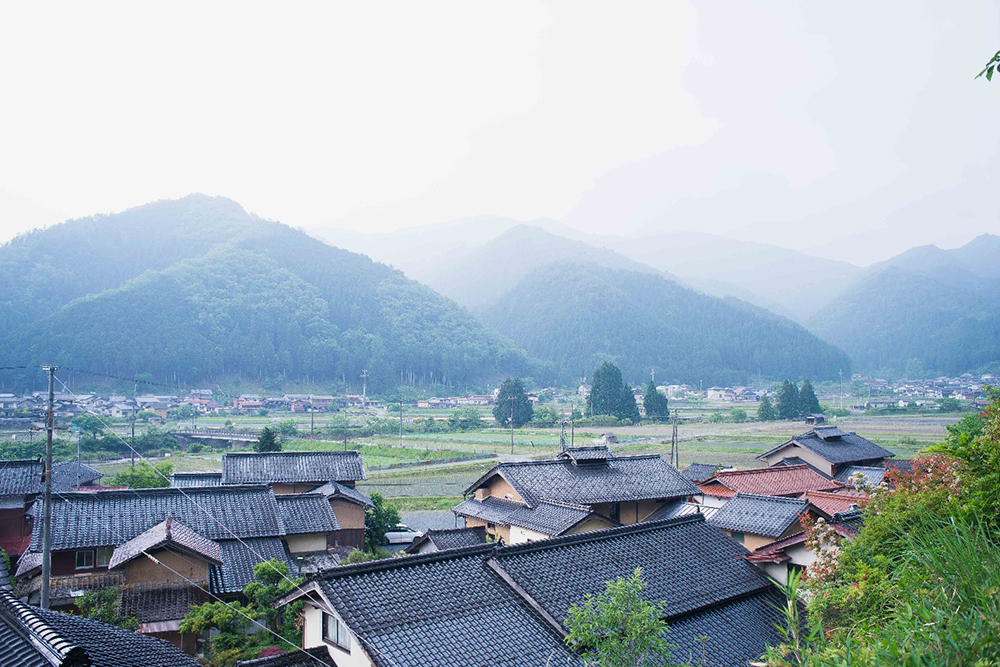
column 397, row 562
column 564, row 504
column 42, row 636
column 293, row 453
column 511, row 464
column 166, row 490
column 763, row 469
column 599, row 535
column 761, row 496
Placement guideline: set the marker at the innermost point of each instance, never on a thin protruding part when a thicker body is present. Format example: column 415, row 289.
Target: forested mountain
column 197, row 288
column 483, row 275
column 577, row 315
column 927, row 310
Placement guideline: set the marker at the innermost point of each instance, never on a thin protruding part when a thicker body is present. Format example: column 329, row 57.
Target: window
column 84, row 559
column 739, row 537
column 335, row 632
column 104, row 556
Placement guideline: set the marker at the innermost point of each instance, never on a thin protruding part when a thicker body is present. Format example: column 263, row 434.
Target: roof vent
column 581, row 456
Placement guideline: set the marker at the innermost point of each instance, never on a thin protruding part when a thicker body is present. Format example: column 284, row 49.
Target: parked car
column 402, row 535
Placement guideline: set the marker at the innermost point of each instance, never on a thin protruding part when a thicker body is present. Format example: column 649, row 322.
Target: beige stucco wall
column 519, row 534
column 349, row 515
column 298, row 544
column 809, row 457
column 142, row 570
column 499, row 488
column 312, row 635
column 292, row 488
column 751, row 541
column 644, row 508
column 592, row 523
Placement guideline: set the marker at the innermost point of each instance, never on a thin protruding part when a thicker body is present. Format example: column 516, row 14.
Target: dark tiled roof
column 152, row 603
column 836, row 446
column 32, row 637
column 306, row 513
column 595, row 454
column 677, row 508
column 871, row 476
column 289, row 467
column 623, row 479
column 338, row 490
column 166, row 533
column 443, row 608
column 489, row 509
column 699, row 472
column 687, row 564
column 311, row 657
column 852, row 520
column 770, row 516
column 108, row 518
column 902, row 465
column 446, row 609
column 64, row 477
column 184, row 480
column 21, row 477
column 453, row 538
column 550, row 518
column 238, row 562
column 111, row 646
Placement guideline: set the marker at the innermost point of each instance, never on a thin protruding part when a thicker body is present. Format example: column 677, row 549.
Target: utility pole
column 841, row 388
column 572, row 429
column 511, row 399
column 345, row 427
column 312, row 419
column 78, row 458
column 47, row 502
column 133, row 436
column 562, row 436
column 364, row 388
column 675, row 455
column 400, row 422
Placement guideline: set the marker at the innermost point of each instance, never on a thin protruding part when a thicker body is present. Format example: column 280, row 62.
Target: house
column 330, row 474
column 754, row 520
column 439, row 540
column 33, row 637
column 861, row 475
column 208, row 537
column 312, row 657
column 699, row 472
column 507, row 606
column 70, row 475
column 828, row 449
column 584, row 488
column 20, row 484
column 780, row 559
column 816, row 418
column 785, row 480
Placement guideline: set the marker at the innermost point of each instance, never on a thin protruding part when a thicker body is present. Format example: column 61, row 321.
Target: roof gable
column 306, row 513
column 834, row 445
column 168, row 533
column 770, row 516
column 773, row 481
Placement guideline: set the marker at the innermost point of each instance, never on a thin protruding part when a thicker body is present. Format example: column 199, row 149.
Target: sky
column 850, row 130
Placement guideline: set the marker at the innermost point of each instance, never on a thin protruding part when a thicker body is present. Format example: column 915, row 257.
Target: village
column 715, row 543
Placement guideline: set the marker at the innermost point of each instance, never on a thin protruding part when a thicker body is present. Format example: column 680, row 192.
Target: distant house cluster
column 903, row 393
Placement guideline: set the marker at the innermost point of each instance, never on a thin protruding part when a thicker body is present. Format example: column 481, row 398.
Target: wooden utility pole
column 562, row 436
column 345, row 427
column 572, row 429
column 364, row 388
column 511, row 399
column 133, row 435
column 675, row 455
column 401, row 422
column 47, row 501
column 312, row 420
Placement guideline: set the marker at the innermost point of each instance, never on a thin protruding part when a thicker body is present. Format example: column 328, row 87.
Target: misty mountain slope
column 926, row 309
column 576, row 315
column 787, row 281
column 268, row 300
column 481, row 277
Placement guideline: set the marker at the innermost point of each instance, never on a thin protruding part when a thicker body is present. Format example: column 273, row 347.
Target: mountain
column 197, row 288
column 576, row 315
column 926, row 310
column 481, row 276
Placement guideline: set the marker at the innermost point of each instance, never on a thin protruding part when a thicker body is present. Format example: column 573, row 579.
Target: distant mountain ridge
column 197, row 288
column 926, row 310
column 576, row 315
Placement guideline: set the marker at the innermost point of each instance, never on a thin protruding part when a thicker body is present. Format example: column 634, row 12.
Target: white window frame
column 341, row 635
column 85, row 566
column 103, row 556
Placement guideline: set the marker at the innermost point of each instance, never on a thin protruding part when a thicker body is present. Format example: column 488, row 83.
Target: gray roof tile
column 312, row 657
column 184, row 480
column 64, row 475
column 338, row 490
column 306, row 513
column 289, row 467
column 770, row 516
column 238, row 562
column 452, row 538
column 872, row 476
column 699, row 472
column 835, row 446
column 623, row 479
column 21, row 477
column 549, row 517
column 489, row 509
column 168, row 532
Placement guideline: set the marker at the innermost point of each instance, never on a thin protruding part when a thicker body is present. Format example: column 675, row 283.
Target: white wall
column 312, row 635
column 519, row 534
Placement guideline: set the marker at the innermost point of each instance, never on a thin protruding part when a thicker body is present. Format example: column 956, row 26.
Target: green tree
column 655, row 403
column 145, row 476
column 808, row 403
column 628, row 408
column 619, row 627
column 379, row 520
column 512, row 391
column 287, row 427
column 788, row 401
column 766, row 411
column 267, row 441
column 605, row 396
column 182, row 412
column 104, row 605
column 545, row 417
column 89, row 425
column 465, row 419
column 738, row 415
column 992, row 66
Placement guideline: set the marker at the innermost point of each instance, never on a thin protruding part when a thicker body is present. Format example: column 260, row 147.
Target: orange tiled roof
column 773, row 481
column 831, row 503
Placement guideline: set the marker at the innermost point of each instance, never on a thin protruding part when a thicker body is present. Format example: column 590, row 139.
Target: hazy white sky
column 850, row 129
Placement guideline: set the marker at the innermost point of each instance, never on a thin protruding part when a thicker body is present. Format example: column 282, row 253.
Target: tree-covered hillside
column 577, row 315
column 926, row 311
column 197, row 288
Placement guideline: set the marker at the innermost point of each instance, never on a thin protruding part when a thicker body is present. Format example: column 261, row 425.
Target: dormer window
column 335, row 632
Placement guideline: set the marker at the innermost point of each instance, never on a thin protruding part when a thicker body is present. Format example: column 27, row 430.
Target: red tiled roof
column 774, row 481
column 831, row 503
